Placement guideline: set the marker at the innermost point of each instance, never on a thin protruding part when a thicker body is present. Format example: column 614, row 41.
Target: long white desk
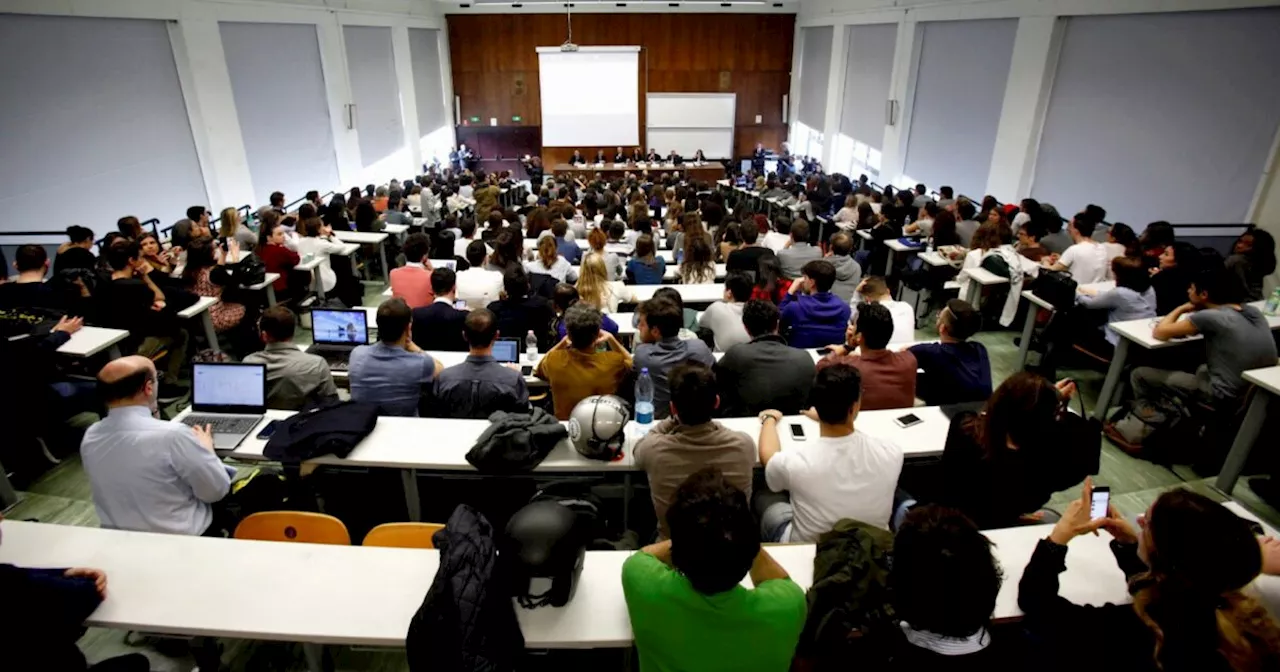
column 1268, row 383
column 268, row 284
column 978, row 278
column 1139, row 332
column 921, row 441
column 89, row 341
column 201, row 308
column 705, row 293
column 670, row 274
column 378, row 240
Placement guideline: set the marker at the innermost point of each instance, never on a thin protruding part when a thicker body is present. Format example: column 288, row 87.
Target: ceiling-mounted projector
column 568, row 46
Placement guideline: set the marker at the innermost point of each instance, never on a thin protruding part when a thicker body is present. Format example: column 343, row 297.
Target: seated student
column 689, row 440
column 746, row 259
column 888, row 377
column 684, row 599
column 1187, row 570
column 392, row 373
column 661, row 347
column 467, row 235
column 1055, row 240
column 1177, row 265
column 841, row 473
column 520, row 312
column 1086, row 258
column 412, row 282
column 811, row 315
column 438, row 326
column 478, row 285
column 575, row 368
column 874, row 289
column 797, row 253
column 395, row 213
column 319, row 242
column 132, row 301
column 30, row 290
column 566, row 295
column 1007, row 459
column 206, row 274
column 1237, row 339
column 1028, row 245
column 295, row 379
column 1253, row 258
column 565, row 244
column 149, row 475
column 724, row 318
column 848, row 272
column 480, row 385
column 764, row 372
column 966, row 225
column 549, row 262
column 945, row 580
column 76, row 252
column 777, row 239
column 1131, row 299
column 954, row 370
column 274, row 252
column 697, row 265
column 645, row 268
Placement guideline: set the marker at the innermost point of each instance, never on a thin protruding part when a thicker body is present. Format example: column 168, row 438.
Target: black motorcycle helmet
column 544, row 540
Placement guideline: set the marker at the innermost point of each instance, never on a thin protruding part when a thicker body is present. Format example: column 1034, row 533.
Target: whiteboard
column 691, row 110
column 714, row 143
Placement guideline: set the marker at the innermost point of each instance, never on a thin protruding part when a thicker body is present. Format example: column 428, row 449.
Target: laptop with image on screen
column 335, row 333
column 507, row 351
column 232, row 398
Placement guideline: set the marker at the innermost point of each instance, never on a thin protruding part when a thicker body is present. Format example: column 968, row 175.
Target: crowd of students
column 790, row 285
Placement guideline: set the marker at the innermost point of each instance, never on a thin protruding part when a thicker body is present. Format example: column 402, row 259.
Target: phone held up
column 1100, row 502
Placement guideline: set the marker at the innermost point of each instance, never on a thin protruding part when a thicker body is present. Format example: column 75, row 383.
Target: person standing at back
column 842, row 473
column 412, row 282
column 798, row 252
column 1086, row 259
column 480, row 385
column 392, row 373
column 684, row 599
column 764, row 372
column 954, row 370
column 661, row 348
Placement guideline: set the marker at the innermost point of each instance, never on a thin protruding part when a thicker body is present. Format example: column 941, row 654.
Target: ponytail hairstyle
column 547, row 252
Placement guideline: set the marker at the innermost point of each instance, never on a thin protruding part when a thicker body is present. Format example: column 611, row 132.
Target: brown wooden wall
column 495, row 65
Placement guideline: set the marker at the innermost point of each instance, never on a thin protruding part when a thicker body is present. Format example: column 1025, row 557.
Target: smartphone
column 1101, row 500
column 460, row 304
column 797, row 432
column 526, row 370
column 268, row 430
column 908, row 420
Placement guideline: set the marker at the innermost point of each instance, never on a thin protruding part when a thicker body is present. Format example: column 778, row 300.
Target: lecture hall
column 657, row 335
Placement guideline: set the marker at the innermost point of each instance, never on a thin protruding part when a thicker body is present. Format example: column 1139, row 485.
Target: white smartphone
column 908, row 420
column 1101, row 500
column 797, row 432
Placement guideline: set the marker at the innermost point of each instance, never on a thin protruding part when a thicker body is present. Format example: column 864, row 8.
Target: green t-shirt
column 678, row 629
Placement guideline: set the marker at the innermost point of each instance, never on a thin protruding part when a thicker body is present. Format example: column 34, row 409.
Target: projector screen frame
column 634, row 131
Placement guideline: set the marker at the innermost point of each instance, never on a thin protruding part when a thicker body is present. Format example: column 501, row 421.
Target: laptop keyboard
column 336, row 364
column 222, row 425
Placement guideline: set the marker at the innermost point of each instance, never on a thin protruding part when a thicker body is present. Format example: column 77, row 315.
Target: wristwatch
column 765, row 414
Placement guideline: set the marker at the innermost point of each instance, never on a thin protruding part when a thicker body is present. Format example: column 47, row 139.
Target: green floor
column 62, row 496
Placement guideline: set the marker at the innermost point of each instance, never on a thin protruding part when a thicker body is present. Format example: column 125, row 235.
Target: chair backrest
column 294, row 526
column 403, row 535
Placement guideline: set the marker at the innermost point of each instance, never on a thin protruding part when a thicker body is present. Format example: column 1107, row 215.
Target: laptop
column 230, row 397
column 507, row 351
column 335, row 333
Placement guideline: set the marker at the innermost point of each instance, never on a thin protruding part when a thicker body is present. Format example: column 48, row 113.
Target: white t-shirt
column 479, row 287
column 1087, row 262
column 904, row 318
column 775, row 241
column 851, row 476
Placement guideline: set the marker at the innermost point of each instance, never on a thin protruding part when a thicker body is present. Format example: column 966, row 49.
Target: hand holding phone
column 1100, row 501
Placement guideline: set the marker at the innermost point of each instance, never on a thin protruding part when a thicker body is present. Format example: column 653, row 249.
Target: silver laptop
column 230, row 397
column 335, row 333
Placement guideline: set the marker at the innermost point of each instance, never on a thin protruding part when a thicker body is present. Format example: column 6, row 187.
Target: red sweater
column 278, row 259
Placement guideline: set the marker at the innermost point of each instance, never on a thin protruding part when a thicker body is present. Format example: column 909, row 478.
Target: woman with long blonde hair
column 231, row 227
column 595, row 288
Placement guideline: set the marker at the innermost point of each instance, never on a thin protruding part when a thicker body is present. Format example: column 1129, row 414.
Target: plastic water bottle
column 1273, row 303
column 644, row 398
column 531, row 347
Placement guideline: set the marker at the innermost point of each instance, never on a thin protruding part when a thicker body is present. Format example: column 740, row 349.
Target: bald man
column 149, row 475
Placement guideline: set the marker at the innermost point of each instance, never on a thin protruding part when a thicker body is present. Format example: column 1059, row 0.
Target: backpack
column 248, row 271
column 1056, row 287
column 1162, row 429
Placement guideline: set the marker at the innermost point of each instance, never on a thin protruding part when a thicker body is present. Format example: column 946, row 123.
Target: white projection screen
column 570, row 119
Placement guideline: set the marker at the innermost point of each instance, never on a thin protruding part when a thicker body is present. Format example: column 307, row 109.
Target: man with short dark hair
column 690, row 440
column 477, row 285
column 392, row 372
column 945, row 580
column 874, row 289
column 888, row 377
column 842, row 473
column 811, row 315
column 1086, row 259
column 295, row 379
column 149, row 475
column 948, row 197
column 1055, row 240
column 412, row 282
column 438, row 326
column 746, row 259
column 686, row 607
column 30, row 290
column 576, row 368
column 480, row 385
column 798, row 252
column 967, row 225
column 765, row 372
column 661, row 348
column 519, row 312
column 921, row 196
column 954, row 370
column 724, row 317
column 848, row 271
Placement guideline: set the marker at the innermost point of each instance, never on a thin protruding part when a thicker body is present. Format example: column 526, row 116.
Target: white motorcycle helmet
column 597, row 426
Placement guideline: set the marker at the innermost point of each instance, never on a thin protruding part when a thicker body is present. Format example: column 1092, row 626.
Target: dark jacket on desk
column 467, row 620
column 438, row 326
column 43, row 618
column 516, row 442
column 765, row 373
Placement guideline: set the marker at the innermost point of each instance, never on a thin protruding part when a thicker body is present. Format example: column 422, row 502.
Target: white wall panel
column 375, row 91
column 868, row 74
column 815, row 68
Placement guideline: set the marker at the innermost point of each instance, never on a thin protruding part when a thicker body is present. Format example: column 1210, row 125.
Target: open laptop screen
column 229, row 388
column 340, row 327
column 506, row 350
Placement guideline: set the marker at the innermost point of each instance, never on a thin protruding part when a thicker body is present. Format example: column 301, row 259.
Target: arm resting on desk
column 1170, row 327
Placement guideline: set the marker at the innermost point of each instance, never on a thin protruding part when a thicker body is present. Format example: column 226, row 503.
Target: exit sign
column 475, row 120
column 515, row 117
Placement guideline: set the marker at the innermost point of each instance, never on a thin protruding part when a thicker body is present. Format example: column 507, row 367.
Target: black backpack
column 1056, row 287
column 248, row 271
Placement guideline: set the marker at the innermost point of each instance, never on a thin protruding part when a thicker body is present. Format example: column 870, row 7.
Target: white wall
column 207, row 91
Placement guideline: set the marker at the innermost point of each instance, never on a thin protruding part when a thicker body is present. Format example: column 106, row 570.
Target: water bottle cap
column 644, row 369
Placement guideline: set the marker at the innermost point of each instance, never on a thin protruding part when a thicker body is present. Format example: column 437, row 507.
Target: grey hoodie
column 848, row 275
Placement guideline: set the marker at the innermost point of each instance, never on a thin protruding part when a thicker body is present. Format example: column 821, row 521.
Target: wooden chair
column 403, row 535
column 294, row 526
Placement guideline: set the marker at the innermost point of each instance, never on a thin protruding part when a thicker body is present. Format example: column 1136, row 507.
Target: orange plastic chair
column 294, row 526
column 403, row 535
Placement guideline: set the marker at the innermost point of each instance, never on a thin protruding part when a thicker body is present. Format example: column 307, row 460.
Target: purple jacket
column 814, row 320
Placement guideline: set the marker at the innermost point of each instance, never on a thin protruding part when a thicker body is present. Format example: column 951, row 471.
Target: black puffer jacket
column 516, row 442
column 467, row 620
